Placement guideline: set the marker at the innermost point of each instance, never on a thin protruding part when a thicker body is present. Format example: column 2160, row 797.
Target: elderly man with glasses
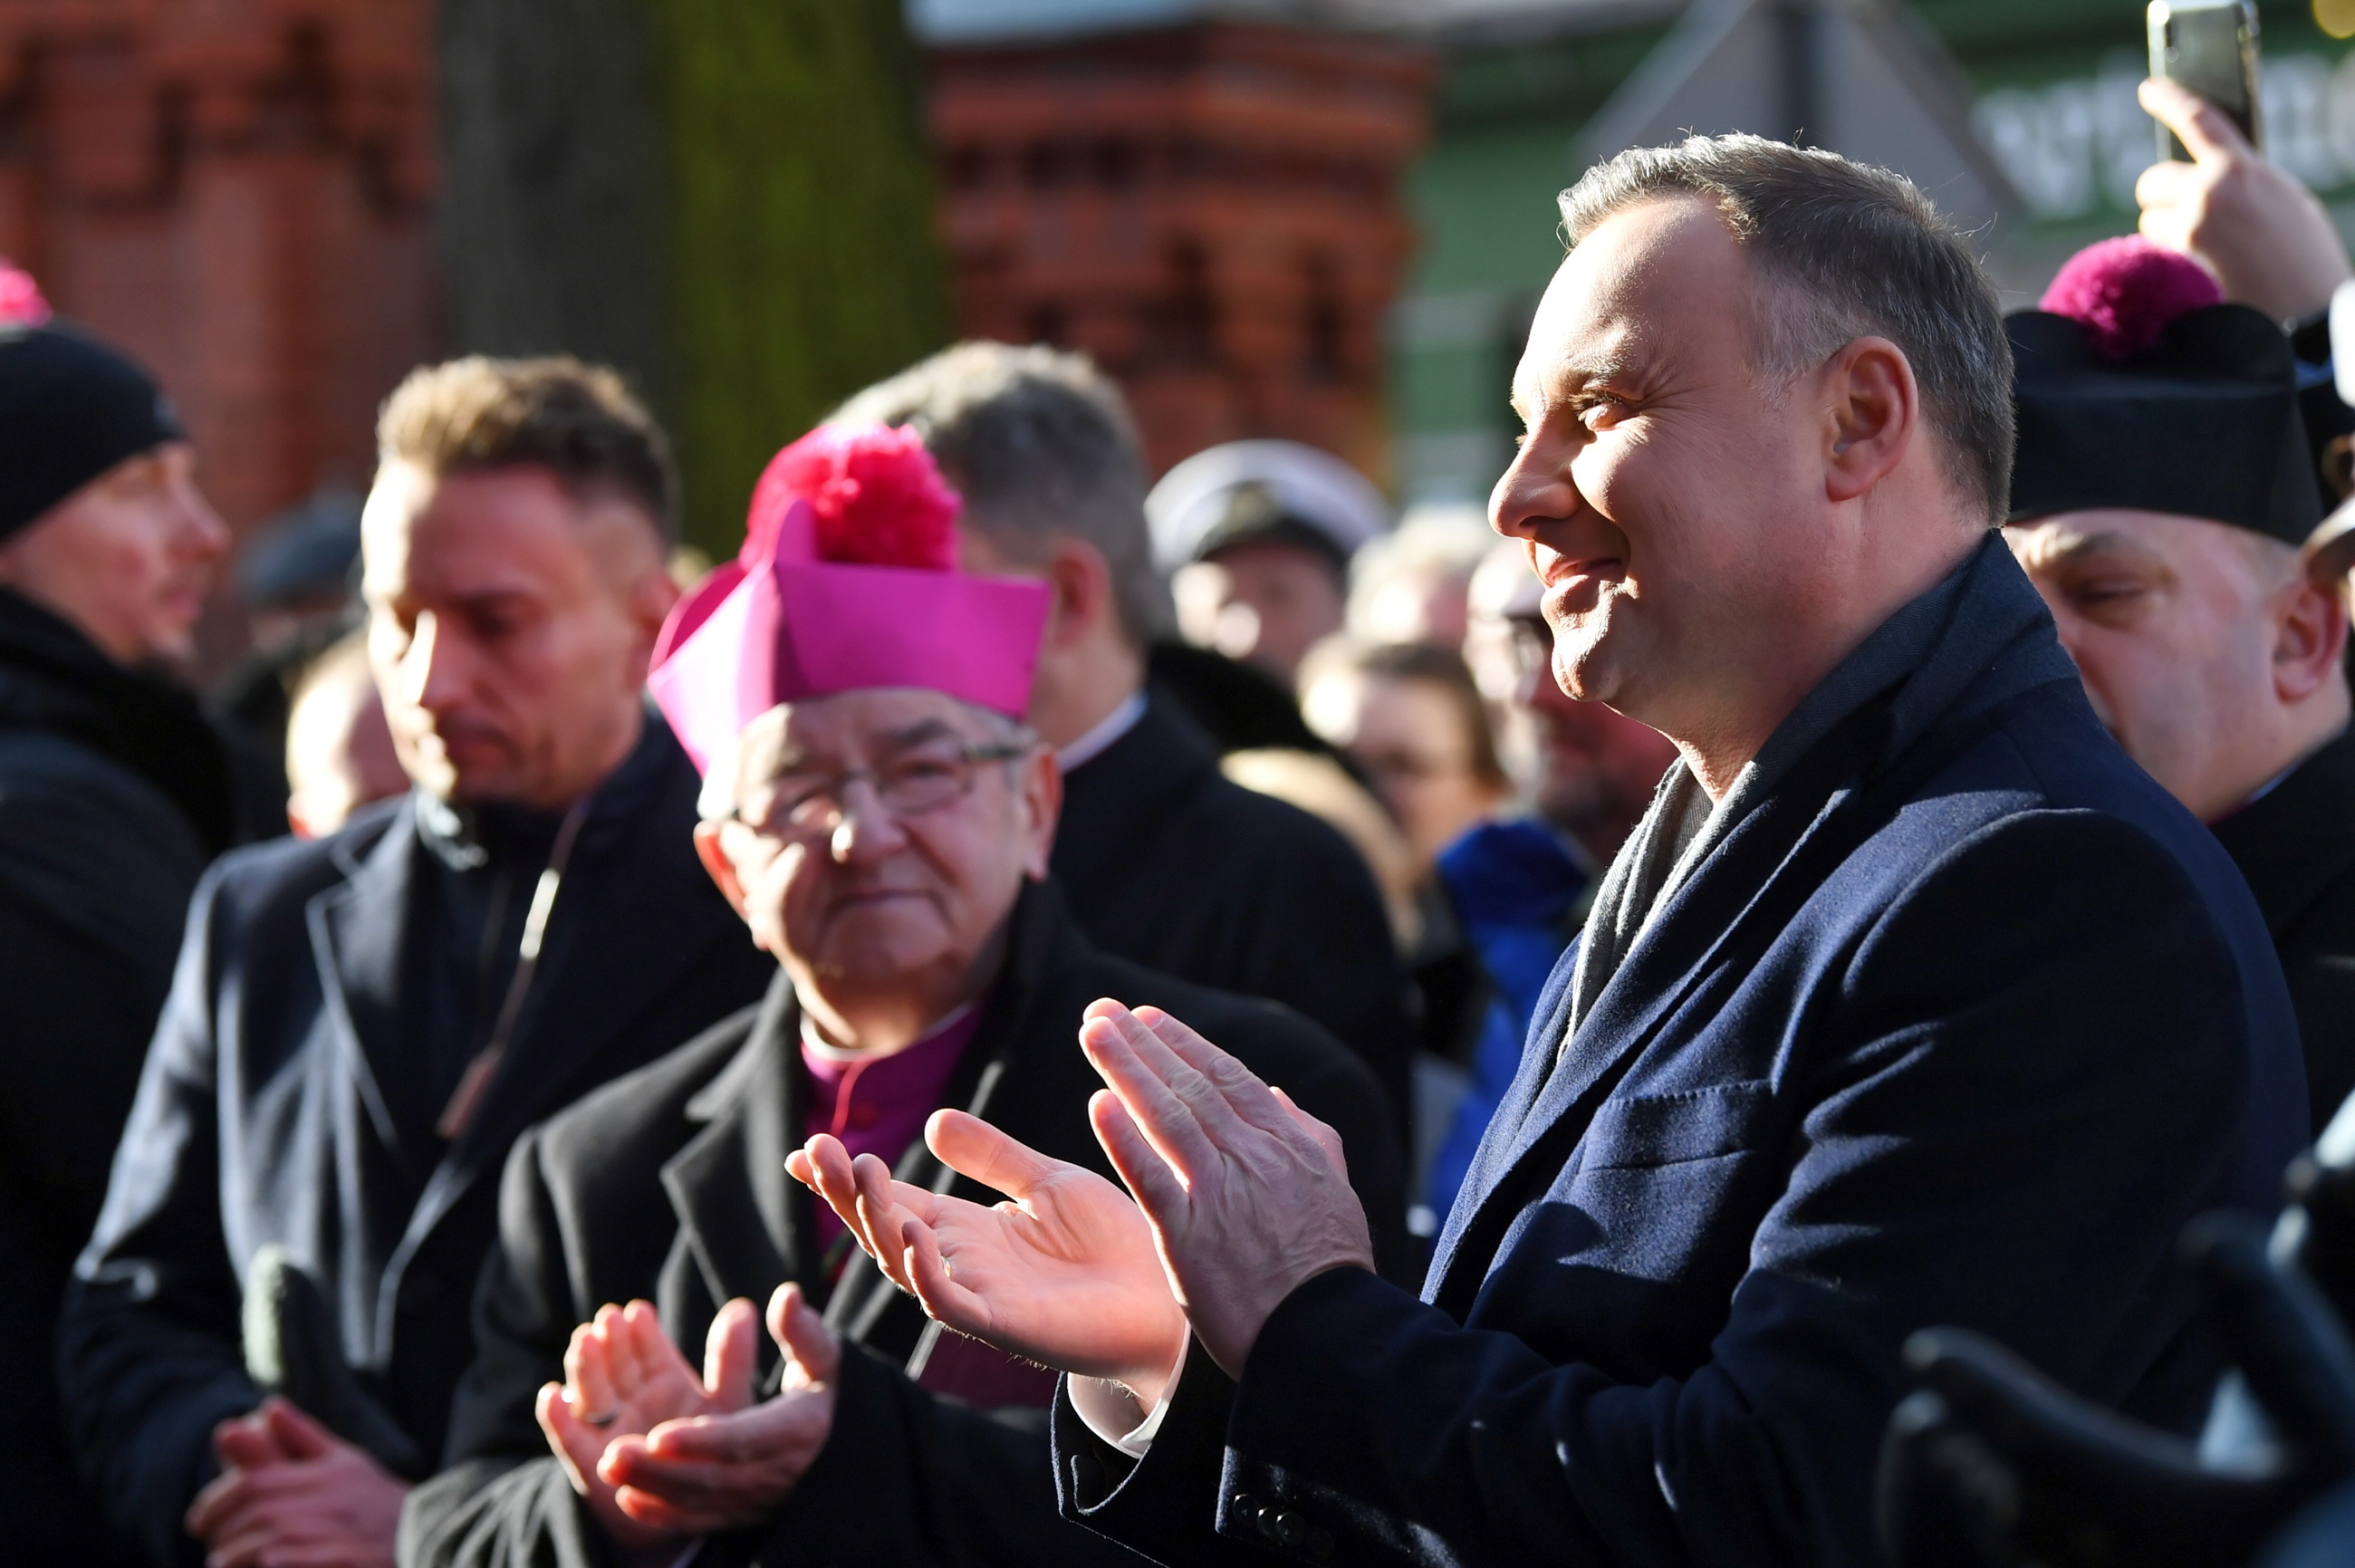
column 877, row 812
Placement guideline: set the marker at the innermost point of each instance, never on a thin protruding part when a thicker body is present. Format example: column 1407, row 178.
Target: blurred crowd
column 460, row 1063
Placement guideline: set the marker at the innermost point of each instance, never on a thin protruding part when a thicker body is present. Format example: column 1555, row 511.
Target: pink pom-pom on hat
column 846, row 581
column 2124, row 293
column 21, row 303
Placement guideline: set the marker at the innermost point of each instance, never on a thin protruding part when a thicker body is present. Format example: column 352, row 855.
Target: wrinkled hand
column 1065, row 1274
column 292, row 1494
column 622, row 1368
column 2265, row 236
column 732, row 1467
column 1248, row 1194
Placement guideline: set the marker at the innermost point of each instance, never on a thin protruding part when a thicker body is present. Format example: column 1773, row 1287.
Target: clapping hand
column 661, row 1456
column 1248, row 1194
column 1065, row 1274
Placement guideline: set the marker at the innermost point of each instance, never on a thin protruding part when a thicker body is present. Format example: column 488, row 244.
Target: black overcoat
column 267, row 1113
column 114, row 794
column 670, row 1186
column 2295, row 844
column 1961, row 1023
column 1170, row 864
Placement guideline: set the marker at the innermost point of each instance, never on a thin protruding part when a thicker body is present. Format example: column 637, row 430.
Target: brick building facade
column 238, row 192
column 1211, row 210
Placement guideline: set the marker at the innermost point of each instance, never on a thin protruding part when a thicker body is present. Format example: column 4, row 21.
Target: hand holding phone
column 2265, row 236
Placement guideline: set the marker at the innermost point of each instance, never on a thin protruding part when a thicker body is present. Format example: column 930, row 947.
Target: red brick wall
column 1212, row 211
column 236, row 191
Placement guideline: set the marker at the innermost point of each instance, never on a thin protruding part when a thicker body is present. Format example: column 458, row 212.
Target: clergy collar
column 1104, row 735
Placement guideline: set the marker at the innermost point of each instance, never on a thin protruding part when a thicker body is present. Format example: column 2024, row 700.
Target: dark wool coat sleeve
column 1968, row 1088
column 149, row 1345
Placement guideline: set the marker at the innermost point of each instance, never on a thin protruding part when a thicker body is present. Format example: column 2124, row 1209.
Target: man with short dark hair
column 361, row 1024
column 1911, row 999
column 115, row 789
column 1165, row 862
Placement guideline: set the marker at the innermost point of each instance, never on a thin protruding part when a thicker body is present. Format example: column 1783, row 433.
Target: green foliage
column 806, row 259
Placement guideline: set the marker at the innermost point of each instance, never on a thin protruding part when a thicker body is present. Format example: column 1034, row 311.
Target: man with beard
column 361, row 1024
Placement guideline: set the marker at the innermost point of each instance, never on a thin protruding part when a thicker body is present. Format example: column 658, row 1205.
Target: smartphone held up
column 2210, row 46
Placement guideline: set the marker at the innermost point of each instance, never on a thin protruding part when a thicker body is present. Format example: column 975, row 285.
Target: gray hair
column 1039, row 444
column 1843, row 251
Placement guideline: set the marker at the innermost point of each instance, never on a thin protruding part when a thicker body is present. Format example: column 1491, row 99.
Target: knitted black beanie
column 70, row 408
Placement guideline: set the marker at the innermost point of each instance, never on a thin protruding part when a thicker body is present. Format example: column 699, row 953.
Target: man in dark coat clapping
column 360, row 1025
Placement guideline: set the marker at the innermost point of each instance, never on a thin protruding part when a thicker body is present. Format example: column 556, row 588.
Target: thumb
column 728, row 1355
column 297, row 1435
column 2206, row 131
column 971, row 1146
column 802, row 1334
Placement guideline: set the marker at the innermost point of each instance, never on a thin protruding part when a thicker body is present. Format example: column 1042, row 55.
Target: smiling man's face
column 1663, row 488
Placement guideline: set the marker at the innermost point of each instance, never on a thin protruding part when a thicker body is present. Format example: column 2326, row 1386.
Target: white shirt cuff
column 1111, row 1413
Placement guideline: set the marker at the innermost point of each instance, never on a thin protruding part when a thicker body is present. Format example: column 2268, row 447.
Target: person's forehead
column 1641, row 283
column 865, row 722
column 499, row 530
column 2121, row 533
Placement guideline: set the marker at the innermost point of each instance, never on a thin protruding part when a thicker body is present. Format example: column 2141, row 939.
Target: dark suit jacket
column 266, row 1115
column 2297, row 847
column 670, row 1185
column 1169, row 864
column 1960, row 1025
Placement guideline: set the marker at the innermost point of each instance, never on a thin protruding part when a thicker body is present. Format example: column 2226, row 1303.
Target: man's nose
column 203, row 535
column 430, row 673
column 1534, row 491
column 869, row 831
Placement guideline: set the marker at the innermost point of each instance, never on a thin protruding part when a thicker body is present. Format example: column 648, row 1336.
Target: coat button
column 1285, row 1526
column 1244, row 1510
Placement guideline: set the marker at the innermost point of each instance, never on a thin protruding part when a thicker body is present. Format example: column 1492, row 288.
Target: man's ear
column 1042, row 804
column 1082, row 581
column 2309, row 640
column 722, row 869
column 1873, row 408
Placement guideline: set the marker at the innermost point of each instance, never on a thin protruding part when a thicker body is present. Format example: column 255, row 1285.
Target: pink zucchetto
column 21, row 303
column 2125, row 290
column 847, row 581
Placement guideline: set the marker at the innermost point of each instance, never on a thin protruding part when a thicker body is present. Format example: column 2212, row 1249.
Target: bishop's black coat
column 1169, row 864
column 281, row 1103
column 1960, row 1024
column 670, row 1185
column 2296, row 844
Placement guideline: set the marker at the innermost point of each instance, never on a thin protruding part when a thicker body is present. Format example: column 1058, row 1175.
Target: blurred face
column 339, row 753
column 1673, row 510
column 510, row 626
column 880, row 840
column 127, row 559
column 1408, row 736
column 1596, row 769
column 2192, row 638
column 1259, row 600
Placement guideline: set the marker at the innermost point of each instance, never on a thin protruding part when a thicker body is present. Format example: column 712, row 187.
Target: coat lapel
column 359, row 930
column 741, row 1216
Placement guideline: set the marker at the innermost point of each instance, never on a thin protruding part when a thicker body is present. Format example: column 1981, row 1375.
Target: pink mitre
column 847, row 581
column 2126, row 292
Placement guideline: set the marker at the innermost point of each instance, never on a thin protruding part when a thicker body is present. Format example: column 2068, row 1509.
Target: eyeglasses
column 909, row 784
